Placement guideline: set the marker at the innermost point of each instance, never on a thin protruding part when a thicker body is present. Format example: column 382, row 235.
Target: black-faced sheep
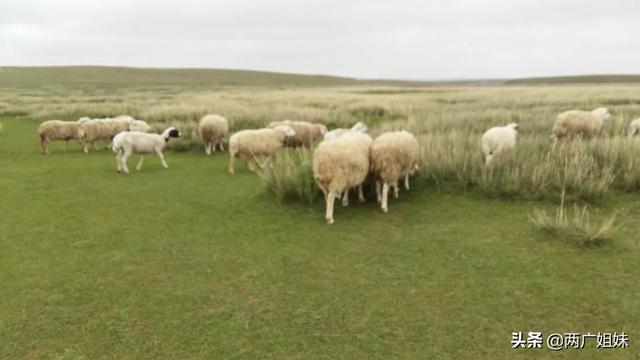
column 129, row 142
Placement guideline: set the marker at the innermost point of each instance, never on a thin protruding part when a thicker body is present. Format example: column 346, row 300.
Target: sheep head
column 287, row 130
column 359, row 127
column 602, row 113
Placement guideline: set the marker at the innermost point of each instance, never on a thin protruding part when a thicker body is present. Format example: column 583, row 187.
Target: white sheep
column 306, row 133
column 107, row 128
column 129, row 142
column 498, row 139
column 336, row 133
column 634, row 127
column 394, row 156
column 340, row 164
column 213, row 130
column 59, row 130
column 578, row 123
column 248, row 145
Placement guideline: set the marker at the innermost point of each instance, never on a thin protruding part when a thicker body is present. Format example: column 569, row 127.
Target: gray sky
column 408, row 39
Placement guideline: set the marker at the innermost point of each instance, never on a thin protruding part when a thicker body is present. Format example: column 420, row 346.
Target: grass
column 191, row 262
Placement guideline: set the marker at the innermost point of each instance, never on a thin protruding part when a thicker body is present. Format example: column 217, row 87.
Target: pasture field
column 191, row 262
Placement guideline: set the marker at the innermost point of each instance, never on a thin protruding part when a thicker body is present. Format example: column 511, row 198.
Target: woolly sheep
column 58, row 130
column 498, row 139
column 336, row 133
column 247, row 145
column 213, row 130
column 128, row 142
column 394, row 156
column 107, row 128
column 634, row 128
column 340, row 164
column 306, row 133
column 578, row 123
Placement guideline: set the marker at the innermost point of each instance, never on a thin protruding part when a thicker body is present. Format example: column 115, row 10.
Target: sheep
column 498, row 139
column 394, row 156
column 247, row 145
column 577, row 123
column 634, row 127
column 340, row 164
column 107, row 128
column 306, row 133
column 58, row 130
column 213, row 130
column 128, row 142
column 336, row 133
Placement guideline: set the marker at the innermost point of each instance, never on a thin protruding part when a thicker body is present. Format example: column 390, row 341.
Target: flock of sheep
column 343, row 159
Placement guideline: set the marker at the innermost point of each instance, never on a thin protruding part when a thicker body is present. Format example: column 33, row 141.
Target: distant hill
column 126, row 76
column 577, row 79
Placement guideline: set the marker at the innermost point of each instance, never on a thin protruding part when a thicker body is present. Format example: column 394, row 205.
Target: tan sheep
column 340, row 164
column 634, row 127
column 578, row 123
column 249, row 145
column 306, row 133
column 213, row 130
column 107, row 128
column 394, row 155
column 58, row 130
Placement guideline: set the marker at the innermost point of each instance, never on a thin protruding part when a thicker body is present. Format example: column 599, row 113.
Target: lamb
column 213, row 130
column 634, row 128
column 58, row 130
column 306, row 133
column 577, row 123
column 498, row 139
column 340, row 164
column 128, row 142
column 394, row 156
column 247, row 145
column 336, row 133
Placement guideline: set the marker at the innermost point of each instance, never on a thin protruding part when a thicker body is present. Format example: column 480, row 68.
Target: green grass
column 191, row 262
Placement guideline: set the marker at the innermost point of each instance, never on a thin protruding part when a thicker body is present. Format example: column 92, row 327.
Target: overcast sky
column 408, row 39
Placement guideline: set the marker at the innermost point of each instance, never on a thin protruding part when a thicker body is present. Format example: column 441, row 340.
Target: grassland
column 191, row 262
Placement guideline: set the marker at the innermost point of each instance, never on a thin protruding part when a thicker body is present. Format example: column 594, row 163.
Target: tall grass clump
column 576, row 227
column 290, row 176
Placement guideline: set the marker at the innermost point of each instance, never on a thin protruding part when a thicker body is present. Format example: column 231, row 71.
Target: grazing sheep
column 394, row 156
column 336, row 133
column 58, row 130
column 577, row 123
column 341, row 164
column 498, row 139
column 213, row 130
column 247, row 145
column 634, row 128
column 128, row 142
column 306, row 133
column 107, row 128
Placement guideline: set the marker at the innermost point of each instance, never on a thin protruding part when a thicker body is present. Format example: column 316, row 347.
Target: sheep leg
column 345, row 198
column 212, row 147
column 123, row 160
column 44, row 145
column 360, row 193
column 139, row 166
column 329, row 199
column 231, row 160
column 93, row 143
column 119, row 160
column 378, row 192
column 207, row 148
column 406, row 182
column 385, row 196
column 221, row 145
column 396, row 191
column 159, row 153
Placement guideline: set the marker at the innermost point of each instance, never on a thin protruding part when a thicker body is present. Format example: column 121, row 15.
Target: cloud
column 400, row 39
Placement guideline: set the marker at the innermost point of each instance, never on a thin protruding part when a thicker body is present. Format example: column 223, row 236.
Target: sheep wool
column 58, row 130
column 498, row 139
column 248, row 145
column 306, row 133
column 336, row 133
column 394, row 156
column 578, row 123
column 129, row 142
column 341, row 164
column 213, row 130
column 634, row 128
